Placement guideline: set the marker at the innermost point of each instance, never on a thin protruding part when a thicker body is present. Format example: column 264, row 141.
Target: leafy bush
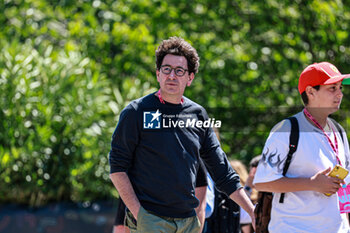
column 54, row 133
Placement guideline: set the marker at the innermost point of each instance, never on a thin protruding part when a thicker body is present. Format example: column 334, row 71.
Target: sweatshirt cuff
column 114, row 169
column 230, row 187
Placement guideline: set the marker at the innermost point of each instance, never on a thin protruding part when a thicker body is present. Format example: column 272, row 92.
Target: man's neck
column 319, row 115
column 170, row 98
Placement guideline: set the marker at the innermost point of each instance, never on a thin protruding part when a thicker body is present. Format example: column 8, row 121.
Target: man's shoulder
column 140, row 103
column 285, row 125
column 193, row 104
column 282, row 126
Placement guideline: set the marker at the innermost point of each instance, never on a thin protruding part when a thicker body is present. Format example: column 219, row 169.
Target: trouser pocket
column 130, row 221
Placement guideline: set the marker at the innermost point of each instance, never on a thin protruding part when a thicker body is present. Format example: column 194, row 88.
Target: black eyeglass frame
column 171, row 69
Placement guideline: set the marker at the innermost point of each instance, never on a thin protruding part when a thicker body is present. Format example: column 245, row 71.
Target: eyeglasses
column 179, row 71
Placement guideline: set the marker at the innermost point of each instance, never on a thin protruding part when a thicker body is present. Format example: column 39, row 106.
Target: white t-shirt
column 244, row 217
column 303, row 211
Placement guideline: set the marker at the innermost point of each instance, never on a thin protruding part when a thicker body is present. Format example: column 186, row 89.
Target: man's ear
column 310, row 92
column 157, row 73
column 190, row 79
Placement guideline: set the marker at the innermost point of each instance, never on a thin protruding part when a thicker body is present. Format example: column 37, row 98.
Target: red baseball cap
column 322, row 73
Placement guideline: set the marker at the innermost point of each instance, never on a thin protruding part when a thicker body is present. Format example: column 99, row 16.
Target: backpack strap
column 293, row 144
column 340, row 130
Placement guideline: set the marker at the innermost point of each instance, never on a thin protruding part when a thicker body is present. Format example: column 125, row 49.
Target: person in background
column 244, row 219
column 210, row 203
column 249, row 186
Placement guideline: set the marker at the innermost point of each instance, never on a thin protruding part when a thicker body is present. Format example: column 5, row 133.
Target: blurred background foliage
column 67, row 69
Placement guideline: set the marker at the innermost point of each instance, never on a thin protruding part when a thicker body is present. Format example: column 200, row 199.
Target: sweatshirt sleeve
column 124, row 141
column 201, row 179
column 219, row 168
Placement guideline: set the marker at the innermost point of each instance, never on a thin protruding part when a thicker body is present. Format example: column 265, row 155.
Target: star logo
column 151, row 119
column 156, row 115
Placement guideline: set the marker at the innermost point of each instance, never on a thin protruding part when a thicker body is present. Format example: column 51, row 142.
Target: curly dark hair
column 180, row 47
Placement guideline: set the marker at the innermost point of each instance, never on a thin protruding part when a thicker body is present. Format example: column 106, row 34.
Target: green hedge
column 54, row 131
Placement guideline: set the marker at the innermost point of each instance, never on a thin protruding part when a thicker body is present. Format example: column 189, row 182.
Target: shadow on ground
column 59, row 217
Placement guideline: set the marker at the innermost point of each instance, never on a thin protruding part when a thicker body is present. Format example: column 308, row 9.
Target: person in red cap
column 322, row 144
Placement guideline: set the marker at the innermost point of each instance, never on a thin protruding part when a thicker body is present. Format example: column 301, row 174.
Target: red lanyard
column 161, row 99
column 334, row 147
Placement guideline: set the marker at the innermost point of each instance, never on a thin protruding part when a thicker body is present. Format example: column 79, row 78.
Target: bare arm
column 200, row 210
column 240, row 197
column 249, row 181
column 122, row 183
column 320, row 182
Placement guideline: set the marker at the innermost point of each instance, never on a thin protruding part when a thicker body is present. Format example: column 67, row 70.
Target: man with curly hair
column 158, row 146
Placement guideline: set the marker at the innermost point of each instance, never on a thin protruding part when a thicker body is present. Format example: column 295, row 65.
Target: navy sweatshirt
column 159, row 146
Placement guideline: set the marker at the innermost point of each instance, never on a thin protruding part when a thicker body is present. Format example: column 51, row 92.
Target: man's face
column 328, row 97
column 173, row 84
